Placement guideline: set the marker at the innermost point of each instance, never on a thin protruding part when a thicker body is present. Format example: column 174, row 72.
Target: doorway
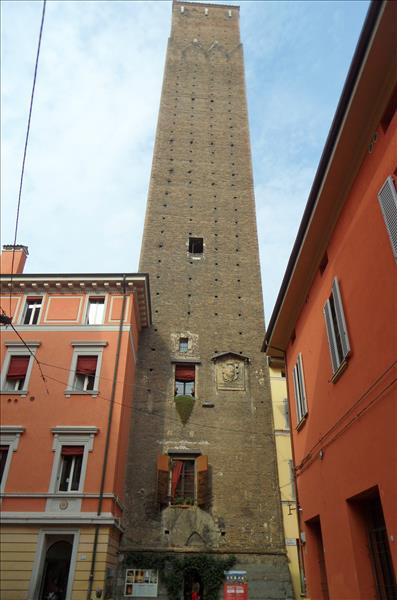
column 56, row 568
column 192, row 585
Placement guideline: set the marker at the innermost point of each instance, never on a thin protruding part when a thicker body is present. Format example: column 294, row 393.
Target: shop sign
column 236, row 586
column 141, row 583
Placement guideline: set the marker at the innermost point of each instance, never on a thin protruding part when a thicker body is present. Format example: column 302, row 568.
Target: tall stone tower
column 202, row 471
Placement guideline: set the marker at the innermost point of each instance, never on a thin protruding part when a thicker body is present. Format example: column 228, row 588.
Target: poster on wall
column 236, row 585
column 141, row 583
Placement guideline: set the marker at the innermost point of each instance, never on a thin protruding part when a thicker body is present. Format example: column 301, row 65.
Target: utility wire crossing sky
column 95, row 112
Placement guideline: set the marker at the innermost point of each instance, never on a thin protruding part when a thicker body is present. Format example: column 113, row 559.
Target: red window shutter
column 86, row 365
column 162, row 479
column 185, row 372
column 72, row 450
column 18, row 367
column 203, row 491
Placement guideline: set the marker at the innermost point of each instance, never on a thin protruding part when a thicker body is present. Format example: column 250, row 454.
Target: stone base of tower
column 267, row 576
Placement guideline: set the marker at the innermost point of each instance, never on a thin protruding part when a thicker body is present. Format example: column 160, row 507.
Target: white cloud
column 95, row 114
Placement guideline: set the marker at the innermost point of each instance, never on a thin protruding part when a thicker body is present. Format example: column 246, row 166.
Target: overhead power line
column 26, row 143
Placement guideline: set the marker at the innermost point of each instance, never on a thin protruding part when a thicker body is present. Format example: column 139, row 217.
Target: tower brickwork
column 200, row 248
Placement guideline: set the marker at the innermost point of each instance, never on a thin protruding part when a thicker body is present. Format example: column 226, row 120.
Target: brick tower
column 202, row 473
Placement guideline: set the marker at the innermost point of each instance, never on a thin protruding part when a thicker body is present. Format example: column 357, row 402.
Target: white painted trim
column 11, row 344
column 9, row 436
column 89, row 344
column 16, row 315
column 24, row 306
column 77, row 495
column 86, row 328
column 127, row 306
column 59, row 518
column 64, row 297
column 18, row 349
column 95, row 294
column 41, row 549
column 88, row 349
column 75, row 430
column 71, row 436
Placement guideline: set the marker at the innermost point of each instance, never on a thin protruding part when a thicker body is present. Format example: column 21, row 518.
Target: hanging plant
column 184, row 407
column 173, row 569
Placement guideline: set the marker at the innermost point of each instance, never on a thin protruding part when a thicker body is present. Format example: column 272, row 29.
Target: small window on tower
column 196, row 245
column 183, row 344
column 185, row 375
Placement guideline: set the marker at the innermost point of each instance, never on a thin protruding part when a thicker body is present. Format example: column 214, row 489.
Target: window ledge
column 302, row 422
column 340, row 370
column 93, row 393
column 22, row 393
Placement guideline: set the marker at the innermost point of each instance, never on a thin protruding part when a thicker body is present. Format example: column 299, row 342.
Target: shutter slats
column 387, row 197
column 340, row 318
column 302, row 387
column 203, row 488
column 162, row 479
column 331, row 336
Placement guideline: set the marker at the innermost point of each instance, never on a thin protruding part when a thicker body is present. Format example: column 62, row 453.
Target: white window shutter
column 331, row 336
column 387, row 197
column 340, row 317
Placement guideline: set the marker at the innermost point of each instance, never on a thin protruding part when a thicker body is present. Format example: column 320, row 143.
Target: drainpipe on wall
column 107, row 444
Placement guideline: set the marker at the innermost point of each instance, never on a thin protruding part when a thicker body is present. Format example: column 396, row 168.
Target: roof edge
column 364, row 40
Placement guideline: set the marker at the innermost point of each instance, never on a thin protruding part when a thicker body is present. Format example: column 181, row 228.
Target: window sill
column 21, row 393
column 302, row 422
column 340, row 370
column 93, row 393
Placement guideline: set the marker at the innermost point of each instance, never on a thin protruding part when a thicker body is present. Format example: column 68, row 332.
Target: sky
column 95, row 113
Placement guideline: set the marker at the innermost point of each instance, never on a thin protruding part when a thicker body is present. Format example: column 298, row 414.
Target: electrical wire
column 26, row 146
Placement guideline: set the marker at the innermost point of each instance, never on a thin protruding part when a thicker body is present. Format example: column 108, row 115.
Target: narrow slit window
column 196, row 245
column 183, row 344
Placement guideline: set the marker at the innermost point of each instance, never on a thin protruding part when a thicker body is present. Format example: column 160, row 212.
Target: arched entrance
column 56, row 571
column 192, row 585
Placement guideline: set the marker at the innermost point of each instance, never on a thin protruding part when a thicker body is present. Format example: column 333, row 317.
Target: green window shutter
column 387, row 197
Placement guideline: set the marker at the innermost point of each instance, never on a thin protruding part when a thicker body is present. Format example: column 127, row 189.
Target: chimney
column 20, row 255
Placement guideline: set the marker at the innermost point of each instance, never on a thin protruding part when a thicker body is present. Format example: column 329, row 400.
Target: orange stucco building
column 335, row 325
column 67, row 389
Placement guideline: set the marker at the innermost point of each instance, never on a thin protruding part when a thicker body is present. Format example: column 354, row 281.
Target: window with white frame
column 9, row 441
column 70, row 471
column 85, row 369
column 300, row 391
column 17, row 367
column 32, row 311
column 95, row 311
column 85, row 373
column 71, row 446
column 16, row 373
column 338, row 338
